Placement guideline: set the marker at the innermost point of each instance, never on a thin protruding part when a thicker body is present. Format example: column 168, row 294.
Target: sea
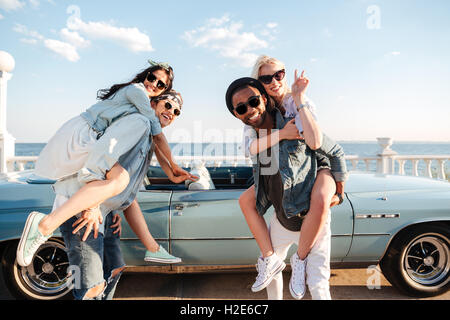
column 360, row 148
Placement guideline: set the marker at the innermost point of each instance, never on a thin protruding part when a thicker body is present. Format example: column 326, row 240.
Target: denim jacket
column 297, row 164
column 130, row 99
column 127, row 141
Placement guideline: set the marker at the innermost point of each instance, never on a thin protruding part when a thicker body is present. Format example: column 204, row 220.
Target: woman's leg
column 155, row 252
column 137, row 222
column 323, row 190
column 89, row 196
column 256, row 223
column 269, row 265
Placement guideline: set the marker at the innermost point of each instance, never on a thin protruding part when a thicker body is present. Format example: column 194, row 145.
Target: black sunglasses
column 253, row 102
column 279, row 75
column 152, row 78
column 176, row 111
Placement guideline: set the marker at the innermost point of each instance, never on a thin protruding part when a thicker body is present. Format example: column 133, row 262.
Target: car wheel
column 418, row 260
column 44, row 279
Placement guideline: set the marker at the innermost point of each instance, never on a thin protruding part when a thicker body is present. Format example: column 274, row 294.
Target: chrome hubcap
column 47, row 274
column 427, row 260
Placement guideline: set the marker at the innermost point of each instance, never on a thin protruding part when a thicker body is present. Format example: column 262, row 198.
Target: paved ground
column 345, row 284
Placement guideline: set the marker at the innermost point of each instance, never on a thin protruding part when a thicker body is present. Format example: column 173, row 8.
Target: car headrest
column 204, row 182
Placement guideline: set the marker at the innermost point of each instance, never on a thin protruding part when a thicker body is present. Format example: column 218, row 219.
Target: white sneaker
column 297, row 284
column 267, row 268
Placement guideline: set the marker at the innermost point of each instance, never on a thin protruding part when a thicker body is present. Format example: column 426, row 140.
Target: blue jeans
column 94, row 260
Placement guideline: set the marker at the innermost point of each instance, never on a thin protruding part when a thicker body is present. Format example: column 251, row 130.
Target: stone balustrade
column 384, row 164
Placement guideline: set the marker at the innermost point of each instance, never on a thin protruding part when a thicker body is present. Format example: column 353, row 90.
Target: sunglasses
column 176, row 111
column 279, row 75
column 152, row 78
column 253, row 102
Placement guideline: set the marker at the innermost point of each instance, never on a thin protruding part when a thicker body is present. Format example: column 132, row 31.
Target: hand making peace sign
column 299, row 87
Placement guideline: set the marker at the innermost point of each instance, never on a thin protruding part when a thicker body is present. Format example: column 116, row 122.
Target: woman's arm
column 165, row 166
column 163, row 147
column 311, row 130
column 289, row 132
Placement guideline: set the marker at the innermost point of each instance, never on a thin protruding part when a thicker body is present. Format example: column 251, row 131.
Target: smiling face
column 254, row 116
column 276, row 89
column 151, row 87
column 165, row 116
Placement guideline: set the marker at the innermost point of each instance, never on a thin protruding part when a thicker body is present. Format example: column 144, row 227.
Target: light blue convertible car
column 399, row 222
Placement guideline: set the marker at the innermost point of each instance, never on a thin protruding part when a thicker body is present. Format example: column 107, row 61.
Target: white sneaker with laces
column 267, row 268
column 297, row 284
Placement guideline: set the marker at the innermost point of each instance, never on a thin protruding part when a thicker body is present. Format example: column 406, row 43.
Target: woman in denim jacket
column 295, row 179
column 70, row 150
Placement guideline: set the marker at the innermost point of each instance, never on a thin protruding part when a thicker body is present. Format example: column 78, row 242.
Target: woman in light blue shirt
column 70, row 151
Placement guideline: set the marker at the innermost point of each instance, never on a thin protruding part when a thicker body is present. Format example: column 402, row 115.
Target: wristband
column 341, row 199
column 301, row 106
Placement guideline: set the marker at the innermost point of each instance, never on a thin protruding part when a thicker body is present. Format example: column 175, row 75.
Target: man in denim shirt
column 285, row 178
column 99, row 260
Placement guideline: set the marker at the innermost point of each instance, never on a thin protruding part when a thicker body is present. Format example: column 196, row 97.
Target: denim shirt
column 127, row 141
column 297, row 164
column 130, row 99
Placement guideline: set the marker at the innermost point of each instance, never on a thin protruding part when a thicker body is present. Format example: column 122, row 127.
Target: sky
column 376, row 68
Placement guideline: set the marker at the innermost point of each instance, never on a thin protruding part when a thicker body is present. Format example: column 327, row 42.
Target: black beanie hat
column 239, row 83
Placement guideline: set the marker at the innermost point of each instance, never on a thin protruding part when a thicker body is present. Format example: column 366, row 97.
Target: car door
column 341, row 230
column 208, row 228
column 155, row 208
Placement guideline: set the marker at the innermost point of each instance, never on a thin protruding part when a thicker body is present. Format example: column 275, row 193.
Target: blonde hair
column 261, row 61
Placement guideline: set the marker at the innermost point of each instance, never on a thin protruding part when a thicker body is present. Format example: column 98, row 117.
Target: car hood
column 357, row 182
column 23, row 177
column 370, row 182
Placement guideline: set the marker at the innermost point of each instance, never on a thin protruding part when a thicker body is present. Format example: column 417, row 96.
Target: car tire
column 44, row 279
column 418, row 260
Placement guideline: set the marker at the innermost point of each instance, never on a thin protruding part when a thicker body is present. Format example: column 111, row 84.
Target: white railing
column 386, row 162
column 20, row 163
column 371, row 164
column 376, row 164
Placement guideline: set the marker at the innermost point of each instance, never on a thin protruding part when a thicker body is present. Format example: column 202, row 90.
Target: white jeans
column 317, row 264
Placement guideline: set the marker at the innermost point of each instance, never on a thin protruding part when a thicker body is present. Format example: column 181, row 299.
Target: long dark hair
column 104, row 94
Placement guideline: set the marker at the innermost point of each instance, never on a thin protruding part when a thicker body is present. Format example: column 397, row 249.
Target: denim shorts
column 93, row 261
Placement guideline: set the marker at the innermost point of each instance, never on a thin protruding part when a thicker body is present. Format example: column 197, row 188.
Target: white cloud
column 1, row 16
column 74, row 38
column 64, row 49
column 392, row 54
column 130, row 38
column 28, row 40
column 34, row 3
column 269, row 31
column 227, row 38
column 313, row 60
column 8, row 5
column 71, row 40
column 20, row 28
